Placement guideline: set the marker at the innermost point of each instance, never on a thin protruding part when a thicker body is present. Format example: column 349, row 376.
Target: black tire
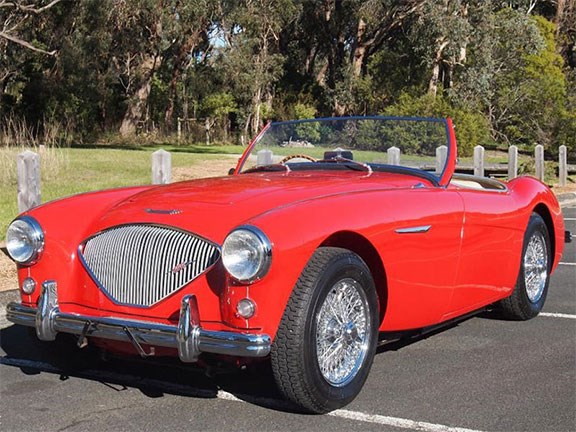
column 527, row 299
column 330, row 273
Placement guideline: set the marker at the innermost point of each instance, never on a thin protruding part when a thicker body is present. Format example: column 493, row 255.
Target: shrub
column 472, row 129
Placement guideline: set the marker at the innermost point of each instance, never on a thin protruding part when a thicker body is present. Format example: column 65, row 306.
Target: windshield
column 418, row 146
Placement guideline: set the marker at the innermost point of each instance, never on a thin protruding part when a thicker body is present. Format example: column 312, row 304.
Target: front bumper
column 188, row 337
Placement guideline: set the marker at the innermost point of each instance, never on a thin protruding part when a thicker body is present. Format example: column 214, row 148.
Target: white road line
column 224, row 395
column 397, row 422
column 557, row 315
column 570, row 219
column 568, row 264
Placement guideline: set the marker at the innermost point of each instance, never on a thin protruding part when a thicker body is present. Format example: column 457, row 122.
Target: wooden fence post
column 441, row 155
column 479, row 161
column 161, row 167
column 393, row 156
column 512, row 162
column 264, row 157
column 562, row 166
column 539, row 154
column 28, row 168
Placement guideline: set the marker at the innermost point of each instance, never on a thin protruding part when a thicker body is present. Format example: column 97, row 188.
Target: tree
column 16, row 14
column 24, row 48
column 251, row 58
column 217, row 108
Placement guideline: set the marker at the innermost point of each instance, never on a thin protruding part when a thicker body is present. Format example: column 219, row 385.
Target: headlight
column 246, row 254
column 25, row 240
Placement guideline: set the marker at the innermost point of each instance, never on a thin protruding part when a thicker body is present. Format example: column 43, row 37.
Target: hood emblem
column 179, row 267
column 161, row 211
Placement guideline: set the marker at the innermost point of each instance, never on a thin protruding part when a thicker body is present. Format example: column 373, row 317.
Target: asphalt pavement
column 482, row 374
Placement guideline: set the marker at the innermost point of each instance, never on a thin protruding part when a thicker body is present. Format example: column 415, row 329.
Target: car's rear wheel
column 326, row 341
column 531, row 289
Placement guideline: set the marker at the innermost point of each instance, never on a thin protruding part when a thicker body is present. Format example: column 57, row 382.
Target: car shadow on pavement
column 153, row 377
column 394, row 341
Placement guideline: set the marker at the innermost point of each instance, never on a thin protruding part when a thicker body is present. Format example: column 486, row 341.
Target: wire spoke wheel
column 535, row 267
column 341, row 332
column 529, row 295
column 327, row 338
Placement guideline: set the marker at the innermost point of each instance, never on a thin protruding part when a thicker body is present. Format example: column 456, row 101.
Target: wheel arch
column 542, row 210
column 362, row 247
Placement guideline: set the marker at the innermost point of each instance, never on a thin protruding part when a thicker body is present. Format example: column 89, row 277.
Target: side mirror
column 231, row 171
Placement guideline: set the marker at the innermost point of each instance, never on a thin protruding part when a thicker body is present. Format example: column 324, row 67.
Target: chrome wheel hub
column 342, row 332
column 535, row 267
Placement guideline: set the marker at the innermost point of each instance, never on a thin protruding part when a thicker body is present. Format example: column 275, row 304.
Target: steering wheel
column 297, row 156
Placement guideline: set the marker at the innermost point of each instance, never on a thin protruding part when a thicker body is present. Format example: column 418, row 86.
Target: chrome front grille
column 142, row 264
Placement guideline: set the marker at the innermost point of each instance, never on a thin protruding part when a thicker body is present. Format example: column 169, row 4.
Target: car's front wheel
column 326, row 341
column 529, row 295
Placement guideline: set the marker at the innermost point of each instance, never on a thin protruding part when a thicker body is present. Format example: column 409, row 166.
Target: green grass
column 75, row 170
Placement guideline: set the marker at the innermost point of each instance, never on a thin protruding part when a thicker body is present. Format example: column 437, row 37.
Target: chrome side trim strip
column 414, row 230
column 190, row 340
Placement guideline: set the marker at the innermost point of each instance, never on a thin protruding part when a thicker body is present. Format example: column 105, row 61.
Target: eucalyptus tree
column 152, row 36
column 249, row 56
column 26, row 47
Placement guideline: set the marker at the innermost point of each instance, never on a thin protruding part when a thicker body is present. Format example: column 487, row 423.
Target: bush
column 472, row 128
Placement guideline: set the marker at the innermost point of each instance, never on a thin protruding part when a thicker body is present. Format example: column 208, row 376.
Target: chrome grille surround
column 142, row 264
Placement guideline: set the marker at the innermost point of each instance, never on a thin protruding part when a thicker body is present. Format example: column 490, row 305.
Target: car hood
column 212, row 207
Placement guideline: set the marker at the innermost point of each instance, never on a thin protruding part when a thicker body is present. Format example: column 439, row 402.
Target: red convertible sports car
column 314, row 245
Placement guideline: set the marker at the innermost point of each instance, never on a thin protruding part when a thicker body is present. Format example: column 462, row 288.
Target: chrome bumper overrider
column 188, row 337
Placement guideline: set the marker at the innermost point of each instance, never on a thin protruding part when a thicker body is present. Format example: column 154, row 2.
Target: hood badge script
column 179, row 267
column 164, row 212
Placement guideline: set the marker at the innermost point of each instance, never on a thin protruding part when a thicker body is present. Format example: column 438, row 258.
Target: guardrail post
column 512, row 162
column 28, row 168
column 161, row 167
column 441, row 155
column 539, row 154
column 393, row 156
column 479, row 161
column 562, row 166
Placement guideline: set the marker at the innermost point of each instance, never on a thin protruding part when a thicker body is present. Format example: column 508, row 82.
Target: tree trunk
column 339, row 109
column 137, row 104
column 433, row 83
column 359, row 49
column 559, row 15
column 182, row 58
column 321, row 75
column 256, row 103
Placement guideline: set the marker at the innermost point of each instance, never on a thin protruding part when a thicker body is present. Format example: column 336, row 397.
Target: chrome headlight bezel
column 247, row 254
column 27, row 230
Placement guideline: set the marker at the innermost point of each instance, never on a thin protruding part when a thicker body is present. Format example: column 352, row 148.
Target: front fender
column 66, row 222
column 296, row 231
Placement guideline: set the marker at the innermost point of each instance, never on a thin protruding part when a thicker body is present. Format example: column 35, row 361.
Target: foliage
column 92, row 70
column 471, row 128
